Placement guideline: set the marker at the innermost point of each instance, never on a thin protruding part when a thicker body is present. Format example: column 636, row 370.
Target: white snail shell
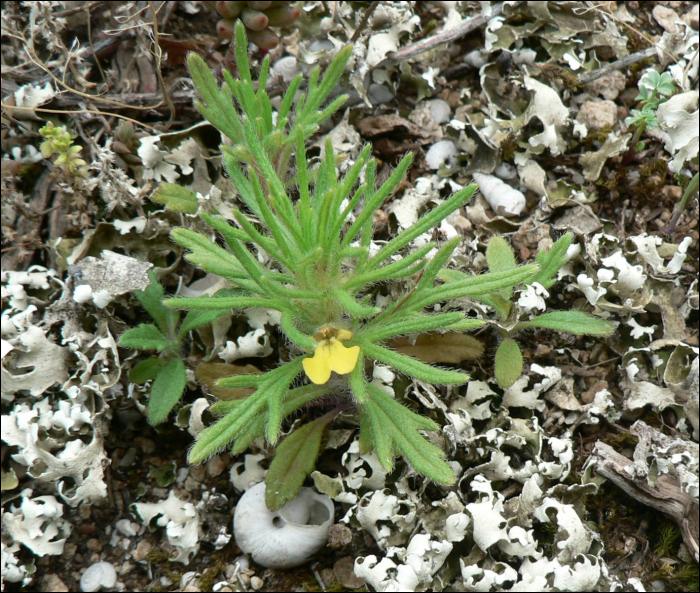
column 285, row 538
column 440, row 153
column 286, row 68
column 101, row 574
column 439, row 111
column 502, row 198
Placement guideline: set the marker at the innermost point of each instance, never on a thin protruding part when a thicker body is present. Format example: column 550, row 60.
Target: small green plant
column 324, row 276
column 654, row 89
column 58, row 142
column 508, row 363
column 167, row 371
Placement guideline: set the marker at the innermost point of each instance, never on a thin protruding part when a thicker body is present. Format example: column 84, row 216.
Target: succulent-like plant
column 59, row 142
column 257, row 17
column 315, row 228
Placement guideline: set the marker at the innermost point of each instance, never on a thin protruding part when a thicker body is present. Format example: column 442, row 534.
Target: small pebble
column 256, row 583
column 215, row 466
column 141, row 551
column 598, row 114
column 345, row 572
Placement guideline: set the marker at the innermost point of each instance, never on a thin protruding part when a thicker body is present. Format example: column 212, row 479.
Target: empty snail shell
column 284, row 538
column 97, row 576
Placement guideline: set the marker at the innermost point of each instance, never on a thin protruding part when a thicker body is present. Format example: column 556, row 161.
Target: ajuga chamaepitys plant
column 316, row 229
column 508, row 362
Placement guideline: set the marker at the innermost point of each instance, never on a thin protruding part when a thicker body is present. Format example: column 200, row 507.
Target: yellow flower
column 331, row 355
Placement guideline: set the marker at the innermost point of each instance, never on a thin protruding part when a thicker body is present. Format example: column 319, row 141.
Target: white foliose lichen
column 181, row 522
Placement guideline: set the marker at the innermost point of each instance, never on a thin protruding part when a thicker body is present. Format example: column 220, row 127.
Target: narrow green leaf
column 551, row 261
column 208, row 303
column 218, row 104
column 293, row 400
column 295, row 458
column 288, row 99
column 499, row 255
column 466, row 325
column 195, row 319
column 151, row 299
column 176, row 198
column 500, row 258
column 166, row 391
column 410, row 366
column 426, row 222
column 208, row 256
column 358, row 385
column 377, row 436
column 272, row 387
column 572, row 322
column 279, row 199
column 292, row 332
column 317, row 94
column 352, row 306
column 144, row 337
column 146, row 370
column 255, row 236
column 409, row 324
column 272, row 285
column 508, row 363
column 284, row 376
column 375, row 199
column 441, row 258
column 342, row 191
column 398, row 424
column 242, row 184
column 248, row 380
column 474, row 286
column 396, row 269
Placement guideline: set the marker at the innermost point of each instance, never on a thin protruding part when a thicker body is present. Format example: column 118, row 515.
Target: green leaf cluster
column 164, row 336
column 314, row 226
column 654, row 89
column 59, row 142
column 508, row 363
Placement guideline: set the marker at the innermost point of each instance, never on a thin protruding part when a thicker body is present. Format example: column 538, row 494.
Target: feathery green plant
column 322, row 277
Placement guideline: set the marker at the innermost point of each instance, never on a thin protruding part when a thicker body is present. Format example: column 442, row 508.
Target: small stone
column 672, row 193
column 328, row 577
column 542, row 350
column 339, row 535
column 692, row 16
column 256, row 583
column 52, row 582
column 380, row 221
column 344, row 570
column 462, row 224
column 598, row 114
column 666, row 17
column 588, row 396
column 94, row 545
column 141, row 551
column 245, row 579
column 608, row 86
column 215, row 466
